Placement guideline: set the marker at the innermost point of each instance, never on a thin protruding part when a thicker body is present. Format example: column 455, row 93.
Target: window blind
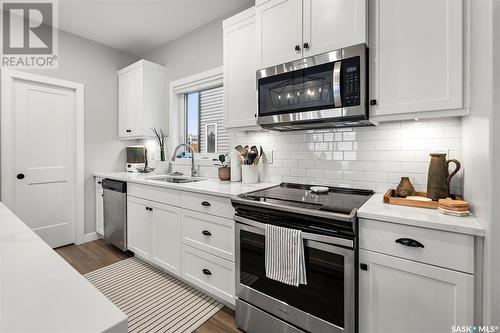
column 212, row 111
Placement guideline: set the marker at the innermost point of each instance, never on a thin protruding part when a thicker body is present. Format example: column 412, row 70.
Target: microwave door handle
column 337, row 98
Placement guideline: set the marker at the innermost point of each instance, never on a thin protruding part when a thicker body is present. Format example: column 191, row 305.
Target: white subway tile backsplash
column 367, row 157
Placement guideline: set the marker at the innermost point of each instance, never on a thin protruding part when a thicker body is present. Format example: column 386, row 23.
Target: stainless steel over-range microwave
column 326, row 90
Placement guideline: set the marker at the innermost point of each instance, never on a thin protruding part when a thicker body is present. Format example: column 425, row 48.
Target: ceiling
column 138, row 26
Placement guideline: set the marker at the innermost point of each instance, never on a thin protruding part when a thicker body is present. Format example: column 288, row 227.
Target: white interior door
column 44, row 159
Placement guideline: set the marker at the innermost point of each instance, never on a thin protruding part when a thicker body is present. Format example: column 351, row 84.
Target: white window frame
column 209, row 79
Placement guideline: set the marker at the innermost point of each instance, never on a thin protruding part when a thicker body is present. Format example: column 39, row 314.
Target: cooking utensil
column 251, row 156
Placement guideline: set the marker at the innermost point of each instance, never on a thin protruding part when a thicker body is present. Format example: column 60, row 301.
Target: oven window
column 302, row 90
column 323, row 296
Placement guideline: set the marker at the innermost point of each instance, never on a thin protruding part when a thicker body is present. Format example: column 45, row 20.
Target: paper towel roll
column 235, row 167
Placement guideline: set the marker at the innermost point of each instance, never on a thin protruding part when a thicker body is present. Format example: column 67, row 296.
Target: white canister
column 235, row 167
column 250, row 174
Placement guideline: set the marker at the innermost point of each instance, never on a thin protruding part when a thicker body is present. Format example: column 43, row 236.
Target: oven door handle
column 259, row 228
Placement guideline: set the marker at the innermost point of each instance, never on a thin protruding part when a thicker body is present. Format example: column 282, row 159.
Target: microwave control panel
column 351, row 82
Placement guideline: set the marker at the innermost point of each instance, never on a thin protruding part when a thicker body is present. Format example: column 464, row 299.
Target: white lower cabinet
column 405, row 283
column 139, row 227
column 209, row 272
column 99, row 211
column 399, row 295
column 187, row 234
column 154, row 232
column 166, row 237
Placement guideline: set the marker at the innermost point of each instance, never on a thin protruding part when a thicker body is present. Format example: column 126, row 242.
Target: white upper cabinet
column 240, row 104
column 415, row 58
column 279, row 32
column 141, row 100
column 288, row 30
column 333, row 24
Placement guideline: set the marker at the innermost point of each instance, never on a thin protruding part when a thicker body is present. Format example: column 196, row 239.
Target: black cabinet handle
column 306, row 45
column 20, row 176
column 255, row 115
column 99, row 182
column 409, row 242
column 206, row 203
column 128, row 131
column 206, row 233
column 149, row 208
column 373, row 102
column 297, row 47
column 363, row 267
column 206, row 271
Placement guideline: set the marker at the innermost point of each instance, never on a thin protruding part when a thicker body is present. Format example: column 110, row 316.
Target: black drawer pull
column 20, row 176
column 128, row 131
column 206, row 203
column 363, row 267
column 206, row 271
column 206, row 233
column 149, row 208
column 409, row 242
column 99, row 182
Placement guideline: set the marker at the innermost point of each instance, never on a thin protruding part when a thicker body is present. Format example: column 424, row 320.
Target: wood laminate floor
column 90, row 256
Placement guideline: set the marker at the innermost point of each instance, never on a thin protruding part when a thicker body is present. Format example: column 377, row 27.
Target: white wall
column 365, row 157
column 96, row 66
column 480, row 149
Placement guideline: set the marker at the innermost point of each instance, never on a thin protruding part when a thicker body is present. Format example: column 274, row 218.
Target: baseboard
column 91, row 236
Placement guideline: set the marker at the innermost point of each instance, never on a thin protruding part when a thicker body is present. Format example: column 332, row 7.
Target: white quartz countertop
column 376, row 209
column 208, row 186
column 41, row 292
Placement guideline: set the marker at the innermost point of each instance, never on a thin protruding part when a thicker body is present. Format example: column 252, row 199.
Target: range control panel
column 350, row 84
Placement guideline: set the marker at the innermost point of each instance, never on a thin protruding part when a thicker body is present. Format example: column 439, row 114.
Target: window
column 204, row 123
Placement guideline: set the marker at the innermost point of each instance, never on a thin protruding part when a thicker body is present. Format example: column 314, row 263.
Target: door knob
column 20, row 176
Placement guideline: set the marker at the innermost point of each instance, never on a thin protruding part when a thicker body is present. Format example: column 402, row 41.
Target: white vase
column 250, row 174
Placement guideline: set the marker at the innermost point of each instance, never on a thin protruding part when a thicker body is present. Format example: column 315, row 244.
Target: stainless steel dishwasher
column 115, row 213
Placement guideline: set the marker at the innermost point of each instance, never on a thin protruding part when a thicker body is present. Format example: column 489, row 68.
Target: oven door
column 325, row 304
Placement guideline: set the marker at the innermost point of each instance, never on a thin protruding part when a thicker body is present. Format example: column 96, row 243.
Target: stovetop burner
column 337, row 200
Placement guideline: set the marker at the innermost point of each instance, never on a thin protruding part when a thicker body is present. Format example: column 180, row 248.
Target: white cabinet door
column 399, row 296
column 130, row 103
column 99, row 211
column 279, row 32
column 240, row 94
column 139, row 227
column 333, row 24
column 166, row 237
column 415, row 56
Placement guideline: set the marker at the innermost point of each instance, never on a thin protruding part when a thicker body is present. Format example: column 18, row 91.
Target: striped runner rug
column 153, row 300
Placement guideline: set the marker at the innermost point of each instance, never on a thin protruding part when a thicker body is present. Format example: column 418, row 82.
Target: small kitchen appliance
column 328, row 221
column 136, row 158
column 326, row 90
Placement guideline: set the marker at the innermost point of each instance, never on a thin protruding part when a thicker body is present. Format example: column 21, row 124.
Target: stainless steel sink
column 176, row 179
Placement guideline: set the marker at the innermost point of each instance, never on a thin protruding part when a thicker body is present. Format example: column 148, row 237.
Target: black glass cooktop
column 337, row 199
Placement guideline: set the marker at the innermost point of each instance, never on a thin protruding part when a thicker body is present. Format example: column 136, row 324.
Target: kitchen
column 287, row 179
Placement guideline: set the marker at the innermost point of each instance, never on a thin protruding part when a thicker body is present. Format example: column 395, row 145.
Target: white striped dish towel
column 285, row 260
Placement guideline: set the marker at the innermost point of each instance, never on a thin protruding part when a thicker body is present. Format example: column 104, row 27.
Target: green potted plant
column 224, row 169
column 161, row 139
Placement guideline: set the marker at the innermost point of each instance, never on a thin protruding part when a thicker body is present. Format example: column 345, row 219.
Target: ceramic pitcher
column 438, row 178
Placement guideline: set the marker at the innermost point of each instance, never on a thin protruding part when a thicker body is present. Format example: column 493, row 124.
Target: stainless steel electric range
column 327, row 303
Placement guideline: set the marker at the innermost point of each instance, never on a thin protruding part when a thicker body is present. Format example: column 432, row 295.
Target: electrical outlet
column 268, row 157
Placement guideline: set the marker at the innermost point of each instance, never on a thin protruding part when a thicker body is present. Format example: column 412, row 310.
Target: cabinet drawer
column 208, row 204
column 209, row 233
column 98, row 182
column 212, row 274
column 440, row 248
column 153, row 193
